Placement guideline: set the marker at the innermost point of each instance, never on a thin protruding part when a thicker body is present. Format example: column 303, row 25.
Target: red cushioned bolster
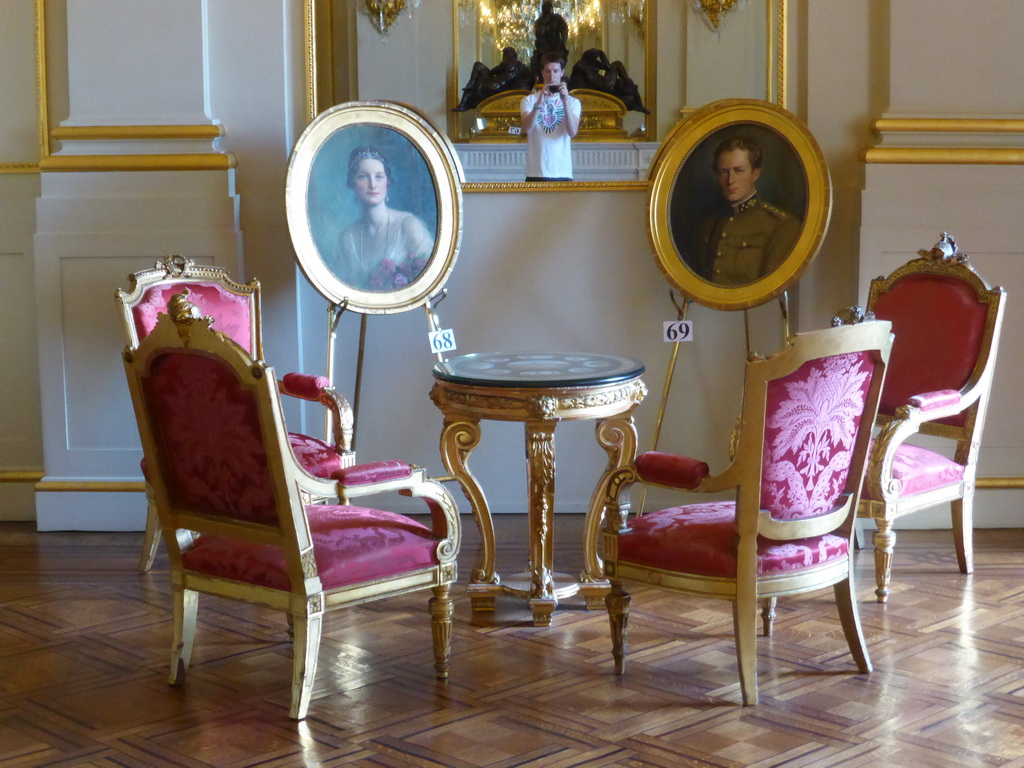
column 304, row 385
column 373, row 472
column 929, row 401
column 669, row 469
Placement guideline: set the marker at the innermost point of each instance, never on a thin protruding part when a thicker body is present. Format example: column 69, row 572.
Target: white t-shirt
column 548, row 144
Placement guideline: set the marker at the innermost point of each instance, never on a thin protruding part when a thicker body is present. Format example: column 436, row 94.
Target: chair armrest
column 670, row 470
column 318, row 388
column 941, row 398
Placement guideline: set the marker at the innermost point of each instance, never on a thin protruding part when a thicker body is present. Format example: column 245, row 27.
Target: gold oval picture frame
column 739, row 203
column 374, row 205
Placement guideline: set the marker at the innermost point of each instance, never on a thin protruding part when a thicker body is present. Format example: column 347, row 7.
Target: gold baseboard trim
column 947, row 125
column 182, row 162
column 128, row 132
column 90, row 486
column 944, row 155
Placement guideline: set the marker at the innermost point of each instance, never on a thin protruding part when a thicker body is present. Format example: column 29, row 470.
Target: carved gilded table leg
column 458, row 439
column 540, row 479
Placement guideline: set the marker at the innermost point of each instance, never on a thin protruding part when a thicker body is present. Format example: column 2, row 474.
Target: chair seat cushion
column 350, row 544
column 701, row 539
column 315, row 456
column 919, row 470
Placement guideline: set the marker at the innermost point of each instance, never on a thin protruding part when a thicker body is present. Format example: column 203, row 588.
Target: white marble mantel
column 591, row 160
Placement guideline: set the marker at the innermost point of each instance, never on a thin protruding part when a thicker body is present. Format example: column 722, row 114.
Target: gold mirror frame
column 681, row 177
column 404, row 136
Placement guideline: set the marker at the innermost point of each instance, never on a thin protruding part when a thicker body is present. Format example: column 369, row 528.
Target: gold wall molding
column 947, row 141
column 171, row 162
column 130, row 132
column 944, row 155
column 21, row 475
column 555, row 186
column 90, row 486
column 947, row 125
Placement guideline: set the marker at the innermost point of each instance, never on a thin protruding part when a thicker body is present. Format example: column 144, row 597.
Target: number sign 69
column 678, row 330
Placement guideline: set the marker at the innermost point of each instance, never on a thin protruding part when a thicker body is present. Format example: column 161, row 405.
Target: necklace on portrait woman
column 368, row 259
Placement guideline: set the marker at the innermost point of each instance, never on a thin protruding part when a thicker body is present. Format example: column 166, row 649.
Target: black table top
column 537, row 369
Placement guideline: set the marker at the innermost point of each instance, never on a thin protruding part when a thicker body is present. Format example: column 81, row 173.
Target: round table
column 539, row 390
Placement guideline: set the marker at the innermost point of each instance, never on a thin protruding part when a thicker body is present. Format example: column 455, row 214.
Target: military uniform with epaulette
column 748, row 243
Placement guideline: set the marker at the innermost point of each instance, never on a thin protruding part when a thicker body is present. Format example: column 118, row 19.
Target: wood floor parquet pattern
column 84, row 650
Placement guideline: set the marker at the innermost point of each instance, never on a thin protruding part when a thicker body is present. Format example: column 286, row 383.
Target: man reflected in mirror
column 752, row 238
column 550, row 118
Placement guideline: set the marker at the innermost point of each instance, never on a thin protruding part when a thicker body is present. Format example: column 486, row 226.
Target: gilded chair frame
column 306, row 602
column 743, row 476
column 180, row 271
column 885, row 504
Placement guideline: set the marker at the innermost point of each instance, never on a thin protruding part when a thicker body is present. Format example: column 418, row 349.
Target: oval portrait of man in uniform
column 739, row 202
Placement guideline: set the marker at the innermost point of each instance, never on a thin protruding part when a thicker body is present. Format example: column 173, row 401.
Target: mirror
column 619, row 28
column 697, row 63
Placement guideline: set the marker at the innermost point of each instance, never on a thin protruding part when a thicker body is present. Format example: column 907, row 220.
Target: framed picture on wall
column 374, row 205
column 739, row 203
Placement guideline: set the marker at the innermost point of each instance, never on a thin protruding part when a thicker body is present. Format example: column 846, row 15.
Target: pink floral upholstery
column 701, row 539
column 812, row 418
column 919, row 470
column 350, row 545
column 315, row 456
column 924, row 359
column 671, row 470
column 214, row 458
column 230, row 311
column 373, row 472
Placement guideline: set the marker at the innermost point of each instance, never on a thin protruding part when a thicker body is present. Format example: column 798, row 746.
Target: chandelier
column 384, row 13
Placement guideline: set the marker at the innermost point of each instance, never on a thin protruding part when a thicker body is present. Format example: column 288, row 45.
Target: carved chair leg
column 963, row 531
column 306, row 648
column 151, row 539
column 768, row 615
column 185, row 604
column 617, row 601
column 884, row 540
column 846, row 602
column 744, row 620
column 441, row 609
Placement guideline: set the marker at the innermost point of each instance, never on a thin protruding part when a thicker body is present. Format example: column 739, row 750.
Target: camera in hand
column 553, row 88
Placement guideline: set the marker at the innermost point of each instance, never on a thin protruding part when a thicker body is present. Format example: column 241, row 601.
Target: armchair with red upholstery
column 231, row 499
column 947, row 321
column 794, row 482
column 235, row 310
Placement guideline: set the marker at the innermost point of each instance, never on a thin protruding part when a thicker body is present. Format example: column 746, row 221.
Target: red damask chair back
column 795, row 480
column 234, row 307
column 231, row 498
column 947, row 322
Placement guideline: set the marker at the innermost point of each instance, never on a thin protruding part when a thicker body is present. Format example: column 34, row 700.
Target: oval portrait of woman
column 374, row 202
column 740, row 201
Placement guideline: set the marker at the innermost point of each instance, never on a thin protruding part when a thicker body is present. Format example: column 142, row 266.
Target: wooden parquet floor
column 84, row 643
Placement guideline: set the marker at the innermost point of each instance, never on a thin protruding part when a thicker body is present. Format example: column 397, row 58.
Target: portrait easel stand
column 334, row 313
